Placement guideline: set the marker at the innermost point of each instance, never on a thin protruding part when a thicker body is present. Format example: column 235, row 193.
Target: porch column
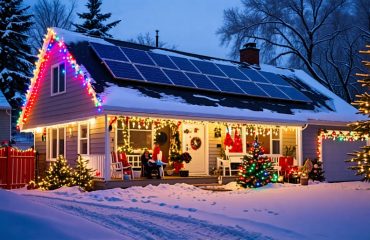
column 107, row 162
column 299, row 146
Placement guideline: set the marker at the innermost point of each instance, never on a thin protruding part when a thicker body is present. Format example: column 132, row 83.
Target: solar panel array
column 138, row 65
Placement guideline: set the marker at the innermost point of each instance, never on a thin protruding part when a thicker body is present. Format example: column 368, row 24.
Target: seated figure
column 149, row 165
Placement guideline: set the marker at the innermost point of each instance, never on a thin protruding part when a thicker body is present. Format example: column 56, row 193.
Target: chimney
column 156, row 38
column 250, row 54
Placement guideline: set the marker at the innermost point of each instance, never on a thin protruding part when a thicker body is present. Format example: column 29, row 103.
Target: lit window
column 139, row 136
column 83, row 139
column 58, row 78
column 56, row 142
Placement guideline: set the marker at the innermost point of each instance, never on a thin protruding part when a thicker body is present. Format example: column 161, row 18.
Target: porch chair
column 224, row 164
column 117, row 167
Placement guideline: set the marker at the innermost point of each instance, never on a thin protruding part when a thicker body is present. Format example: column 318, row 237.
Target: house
column 5, row 119
column 93, row 96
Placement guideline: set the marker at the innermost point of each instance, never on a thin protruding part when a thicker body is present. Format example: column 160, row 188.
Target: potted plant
column 178, row 160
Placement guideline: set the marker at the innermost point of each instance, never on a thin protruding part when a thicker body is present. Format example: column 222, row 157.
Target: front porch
column 100, row 184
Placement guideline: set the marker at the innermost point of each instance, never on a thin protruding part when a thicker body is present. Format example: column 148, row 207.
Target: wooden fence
column 17, row 167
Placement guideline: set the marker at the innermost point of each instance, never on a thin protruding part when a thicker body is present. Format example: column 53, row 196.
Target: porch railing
column 96, row 163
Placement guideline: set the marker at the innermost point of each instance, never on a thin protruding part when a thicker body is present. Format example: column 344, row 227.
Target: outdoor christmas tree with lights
column 82, row 174
column 362, row 157
column 255, row 170
column 316, row 174
column 59, row 174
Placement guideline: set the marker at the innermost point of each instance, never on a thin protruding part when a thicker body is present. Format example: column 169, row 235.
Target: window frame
column 129, row 135
column 57, row 65
column 50, row 142
column 79, row 138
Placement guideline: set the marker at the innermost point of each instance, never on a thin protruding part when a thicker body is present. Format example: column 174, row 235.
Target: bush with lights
column 362, row 127
column 82, row 175
column 255, row 170
column 58, row 175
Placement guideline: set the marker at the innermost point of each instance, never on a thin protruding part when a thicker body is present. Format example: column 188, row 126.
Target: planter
column 184, row 173
column 136, row 174
column 304, row 180
column 170, row 172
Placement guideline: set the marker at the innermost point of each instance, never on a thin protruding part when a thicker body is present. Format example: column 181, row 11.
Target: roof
column 3, row 102
column 125, row 96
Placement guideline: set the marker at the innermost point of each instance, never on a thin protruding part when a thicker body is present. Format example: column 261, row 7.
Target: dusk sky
column 190, row 25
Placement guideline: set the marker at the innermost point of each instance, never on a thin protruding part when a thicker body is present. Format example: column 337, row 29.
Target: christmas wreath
column 195, row 143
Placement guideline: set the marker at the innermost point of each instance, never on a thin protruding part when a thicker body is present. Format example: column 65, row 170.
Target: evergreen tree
column 82, row 175
column 93, row 21
column 316, row 174
column 16, row 61
column 363, row 127
column 255, row 170
column 58, row 175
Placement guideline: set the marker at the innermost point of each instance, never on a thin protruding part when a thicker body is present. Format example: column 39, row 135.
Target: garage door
column 334, row 154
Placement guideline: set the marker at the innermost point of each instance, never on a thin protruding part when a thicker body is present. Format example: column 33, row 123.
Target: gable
column 79, row 101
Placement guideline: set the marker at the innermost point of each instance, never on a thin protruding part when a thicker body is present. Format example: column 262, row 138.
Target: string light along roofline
column 52, row 40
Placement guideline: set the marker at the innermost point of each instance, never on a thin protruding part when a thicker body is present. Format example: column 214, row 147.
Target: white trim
column 49, row 132
column 206, row 149
column 87, row 138
column 107, row 163
column 52, row 78
column 299, row 142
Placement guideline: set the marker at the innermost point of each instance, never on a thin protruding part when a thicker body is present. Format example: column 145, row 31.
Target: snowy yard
column 317, row 211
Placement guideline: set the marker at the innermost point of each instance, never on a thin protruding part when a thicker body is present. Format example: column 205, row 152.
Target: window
column 139, row 137
column 58, row 78
column 56, row 142
column 269, row 140
column 83, row 139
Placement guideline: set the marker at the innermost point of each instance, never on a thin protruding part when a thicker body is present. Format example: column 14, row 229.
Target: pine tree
column 82, row 175
column 93, row 21
column 363, row 127
column 316, row 174
column 58, row 175
column 16, row 61
column 255, row 170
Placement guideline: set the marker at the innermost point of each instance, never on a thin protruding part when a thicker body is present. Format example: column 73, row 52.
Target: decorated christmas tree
column 255, row 170
column 82, row 174
column 361, row 157
column 59, row 174
column 93, row 20
column 316, row 174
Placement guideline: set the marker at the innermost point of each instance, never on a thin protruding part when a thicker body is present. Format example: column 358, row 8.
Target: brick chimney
column 250, row 54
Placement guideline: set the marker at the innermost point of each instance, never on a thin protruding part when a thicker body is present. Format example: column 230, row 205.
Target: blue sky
column 190, row 25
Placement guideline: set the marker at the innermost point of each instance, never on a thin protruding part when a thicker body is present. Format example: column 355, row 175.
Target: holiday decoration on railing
column 51, row 41
column 362, row 127
column 255, row 170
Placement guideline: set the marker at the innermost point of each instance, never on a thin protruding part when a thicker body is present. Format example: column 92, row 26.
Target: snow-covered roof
column 129, row 97
column 3, row 102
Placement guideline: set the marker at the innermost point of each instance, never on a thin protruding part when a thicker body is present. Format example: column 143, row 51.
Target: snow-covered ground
column 317, row 211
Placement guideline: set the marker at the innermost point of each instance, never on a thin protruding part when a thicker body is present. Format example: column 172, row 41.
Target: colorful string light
column 50, row 41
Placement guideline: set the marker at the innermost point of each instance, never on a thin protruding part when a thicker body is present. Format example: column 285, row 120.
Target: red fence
column 17, row 167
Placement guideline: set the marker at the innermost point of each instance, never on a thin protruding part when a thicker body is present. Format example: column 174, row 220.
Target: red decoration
column 237, row 146
column 228, row 140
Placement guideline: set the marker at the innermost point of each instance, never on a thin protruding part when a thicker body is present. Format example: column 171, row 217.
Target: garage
column 334, row 155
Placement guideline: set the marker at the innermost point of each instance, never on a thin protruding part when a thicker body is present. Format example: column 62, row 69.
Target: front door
column 194, row 142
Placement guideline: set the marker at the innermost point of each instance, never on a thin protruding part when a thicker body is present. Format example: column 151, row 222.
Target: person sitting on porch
column 149, row 165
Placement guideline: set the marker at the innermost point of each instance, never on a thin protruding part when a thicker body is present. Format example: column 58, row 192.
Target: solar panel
column 232, row 72
column 273, row 91
column 108, row 51
column 253, row 75
column 226, row 85
column 294, row 94
column 153, row 74
column 178, row 78
column 137, row 56
column 207, row 68
column 201, row 81
column 275, row 79
column 162, row 60
column 250, row 88
column 184, row 64
column 123, row 70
